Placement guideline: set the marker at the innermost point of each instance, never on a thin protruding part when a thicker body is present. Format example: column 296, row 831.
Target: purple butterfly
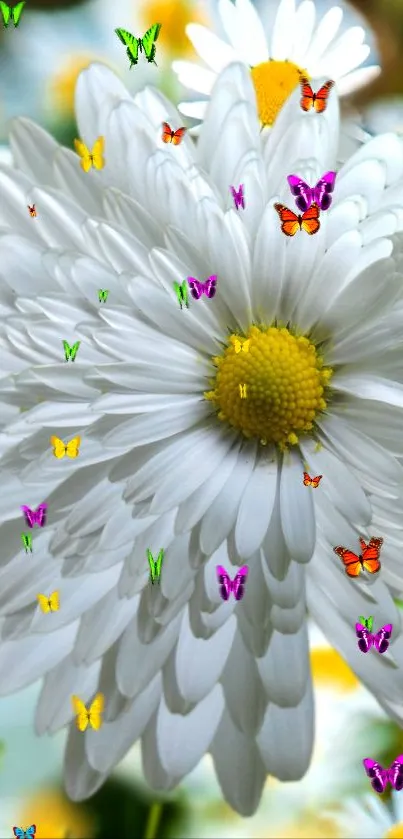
column 307, row 195
column 236, row 586
column 238, row 197
column 367, row 639
column 208, row 288
column 380, row 776
column 35, row 516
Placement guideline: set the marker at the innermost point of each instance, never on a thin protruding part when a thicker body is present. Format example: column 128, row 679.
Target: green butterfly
column 11, row 12
column 182, row 293
column 155, row 565
column 70, row 352
column 367, row 622
column 27, row 541
column 145, row 44
column 103, row 295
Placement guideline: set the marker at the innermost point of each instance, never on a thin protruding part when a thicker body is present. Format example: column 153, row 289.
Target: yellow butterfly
column 241, row 346
column 60, row 449
column 91, row 715
column 49, row 604
column 243, row 391
column 91, row 158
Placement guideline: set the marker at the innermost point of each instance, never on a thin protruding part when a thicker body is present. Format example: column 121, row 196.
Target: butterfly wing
column 210, row 286
column 316, row 481
column 238, row 585
column 98, row 161
column 395, row 773
column 302, row 192
column 131, row 43
column 321, row 97
column 59, row 449
column 307, row 479
column 167, row 133
column 96, row 710
column 43, row 602
column 73, row 447
column 289, row 221
column 307, row 97
column 84, row 154
column 178, row 136
column 224, row 581
column 322, row 192
column 310, row 220
column 40, row 515
column 379, row 776
column 54, row 601
column 370, row 556
column 381, row 638
column 29, row 515
column 365, row 638
column 196, row 288
column 351, row 561
column 80, row 712
column 30, row 831
column 6, row 14
column 148, row 41
column 16, row 12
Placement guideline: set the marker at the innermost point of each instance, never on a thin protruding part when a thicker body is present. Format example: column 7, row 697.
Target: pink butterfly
column 35, row 516
column 208, row 288
column 307, row 195
column 379, row 640
column 238, row 197
column 236, row 586
column 381, row 777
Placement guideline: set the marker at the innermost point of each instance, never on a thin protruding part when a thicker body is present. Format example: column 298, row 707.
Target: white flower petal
column 216, row 53
column 230, row 750
column 297, row 512
column 280, row 45
column 357, row 78
column 254, row 46
column 195, row 77
column 285, row 739
column 256, row 509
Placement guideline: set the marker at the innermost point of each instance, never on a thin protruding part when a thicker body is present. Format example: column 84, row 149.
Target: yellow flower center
column 274, row 81
column 329, row 670
column 63, row 84
column 173, row 15
column 55, row 816
column 285, row 381
column 395, row 832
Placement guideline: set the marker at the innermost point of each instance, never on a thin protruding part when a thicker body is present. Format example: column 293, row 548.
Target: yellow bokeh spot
column 55, row 816
column 330, row 670
column 62, row 85
column 395, row 832
column 274, row 81
column 285, row 380
column 174, row 16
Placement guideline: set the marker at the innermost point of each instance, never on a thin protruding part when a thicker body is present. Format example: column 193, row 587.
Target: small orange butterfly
column 312, row 482
column 32, row 210
column 170, row 136
column 290, row 222
column 318, row 100
column 368, row 559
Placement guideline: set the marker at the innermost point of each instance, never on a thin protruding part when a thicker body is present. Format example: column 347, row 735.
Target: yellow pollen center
column 274, row 81
column 173, row 15
column 395, row 832
column 285, row 382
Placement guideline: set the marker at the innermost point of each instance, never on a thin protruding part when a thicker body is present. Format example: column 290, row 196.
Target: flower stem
column 153, row 820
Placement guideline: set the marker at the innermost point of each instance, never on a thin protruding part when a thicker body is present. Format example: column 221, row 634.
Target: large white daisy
column 212, row 480
column 277, row 52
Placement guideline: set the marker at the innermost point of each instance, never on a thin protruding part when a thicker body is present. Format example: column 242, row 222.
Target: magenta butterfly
column 35, row 516
column 208, row 288
column 236, row 586
column 381, row 777
column 306, row 195
column 238, row 196
column 379, row 640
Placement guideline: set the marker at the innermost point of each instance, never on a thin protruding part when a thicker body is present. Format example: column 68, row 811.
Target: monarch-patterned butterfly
column 367, row 560
column 290, row 222
column 318, row 100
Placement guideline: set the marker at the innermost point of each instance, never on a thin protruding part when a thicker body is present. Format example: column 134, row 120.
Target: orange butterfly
column 317, row 100
column 368, row 559
column 170, row 136
column 312, row 482
column 290, row 222
column 32, row 210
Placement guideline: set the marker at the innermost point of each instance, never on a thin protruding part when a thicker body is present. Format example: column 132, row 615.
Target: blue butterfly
column 29, row 833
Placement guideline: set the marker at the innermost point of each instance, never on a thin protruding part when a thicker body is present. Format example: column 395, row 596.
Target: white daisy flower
column 371, row 818
column 170, row 458
column 277, row 54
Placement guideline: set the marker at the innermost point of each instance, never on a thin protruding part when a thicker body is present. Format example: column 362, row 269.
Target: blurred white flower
column 276, row 52
column 371, row 818
column 181, row 669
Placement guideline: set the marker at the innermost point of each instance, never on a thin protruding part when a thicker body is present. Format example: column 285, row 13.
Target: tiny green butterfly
column 145, row 44
column 182, row 293
column 70, row 352
column 155, row 565
column 11, row 12
column 367, row 622
column 103, row 295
